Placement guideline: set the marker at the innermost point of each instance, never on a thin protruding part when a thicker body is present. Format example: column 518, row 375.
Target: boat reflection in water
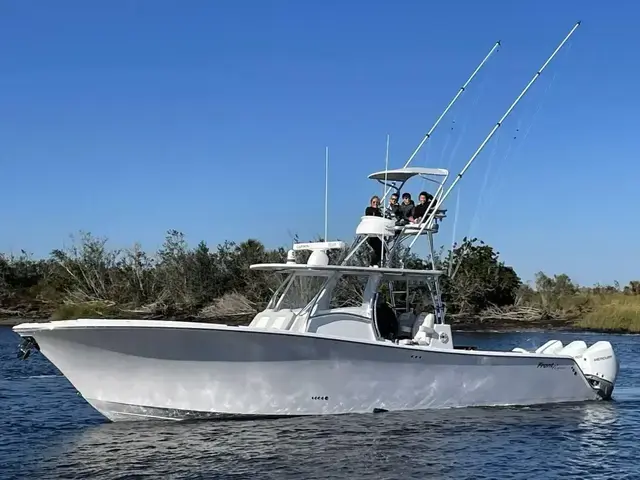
column 581, row 437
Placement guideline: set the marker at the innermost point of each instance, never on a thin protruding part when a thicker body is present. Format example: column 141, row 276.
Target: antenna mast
column 386, row 170
column 428, row 135
column 326, row 193
column 498, row 125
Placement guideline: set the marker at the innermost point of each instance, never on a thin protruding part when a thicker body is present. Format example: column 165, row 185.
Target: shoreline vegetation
column 179, row 282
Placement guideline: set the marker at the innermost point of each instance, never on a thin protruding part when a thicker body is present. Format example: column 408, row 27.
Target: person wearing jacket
column 392, row 211
column 406, row 209
column 421, row 209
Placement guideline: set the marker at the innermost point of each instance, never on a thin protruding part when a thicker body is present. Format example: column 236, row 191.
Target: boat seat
column 440, row 215
column 423, row 328
column 275, row 319
column 283, row 322
column 406, row 322
column 520, row 350
column 414, row 228
column 261, row 322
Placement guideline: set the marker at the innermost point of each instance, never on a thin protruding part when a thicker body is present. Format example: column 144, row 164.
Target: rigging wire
column 510, row 150
column 485, row 180
column 453, row 237
column 454, row 150
column 456, row 129
column 480, row 91
column 515, row 150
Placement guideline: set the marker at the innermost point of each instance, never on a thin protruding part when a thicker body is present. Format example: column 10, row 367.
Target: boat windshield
column 349, row 291
column 298, row 291
column 302, row 289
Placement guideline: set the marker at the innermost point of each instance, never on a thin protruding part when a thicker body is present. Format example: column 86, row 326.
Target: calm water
column 47, row 431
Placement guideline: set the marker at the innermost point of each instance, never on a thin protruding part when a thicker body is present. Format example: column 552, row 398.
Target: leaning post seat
column 371, row 225
column 414, row 228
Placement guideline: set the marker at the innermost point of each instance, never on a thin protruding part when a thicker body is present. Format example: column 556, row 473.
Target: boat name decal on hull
column 552, row 365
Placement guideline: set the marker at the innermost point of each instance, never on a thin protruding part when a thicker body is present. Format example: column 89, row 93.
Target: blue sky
column 127, row 119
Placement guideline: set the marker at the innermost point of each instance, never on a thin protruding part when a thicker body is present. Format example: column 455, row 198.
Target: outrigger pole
column 428, row 135
column 495, row 128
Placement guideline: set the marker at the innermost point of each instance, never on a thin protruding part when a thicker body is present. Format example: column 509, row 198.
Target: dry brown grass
column 588, row 310
column 91, row 309
column 612, row 311
column 230, row 305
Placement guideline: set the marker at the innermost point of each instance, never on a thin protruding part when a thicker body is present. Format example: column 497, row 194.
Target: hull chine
column 115, row 412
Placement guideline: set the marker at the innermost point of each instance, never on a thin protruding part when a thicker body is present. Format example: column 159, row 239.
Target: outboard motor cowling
column 600, row 365
column 552, row 347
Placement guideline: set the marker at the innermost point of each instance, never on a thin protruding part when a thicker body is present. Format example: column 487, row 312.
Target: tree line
column 88, row 278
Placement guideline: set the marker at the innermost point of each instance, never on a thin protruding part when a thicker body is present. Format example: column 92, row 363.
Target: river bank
column 611, row 313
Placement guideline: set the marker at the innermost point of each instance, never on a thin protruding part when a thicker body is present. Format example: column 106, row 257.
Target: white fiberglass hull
column 155, row 369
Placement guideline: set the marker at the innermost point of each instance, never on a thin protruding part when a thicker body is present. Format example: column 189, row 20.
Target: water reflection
column 393, row 445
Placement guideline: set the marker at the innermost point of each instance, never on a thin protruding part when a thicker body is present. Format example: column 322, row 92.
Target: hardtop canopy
column 404, row 174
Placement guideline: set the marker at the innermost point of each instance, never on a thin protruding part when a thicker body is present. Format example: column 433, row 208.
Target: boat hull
column 177, row 370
